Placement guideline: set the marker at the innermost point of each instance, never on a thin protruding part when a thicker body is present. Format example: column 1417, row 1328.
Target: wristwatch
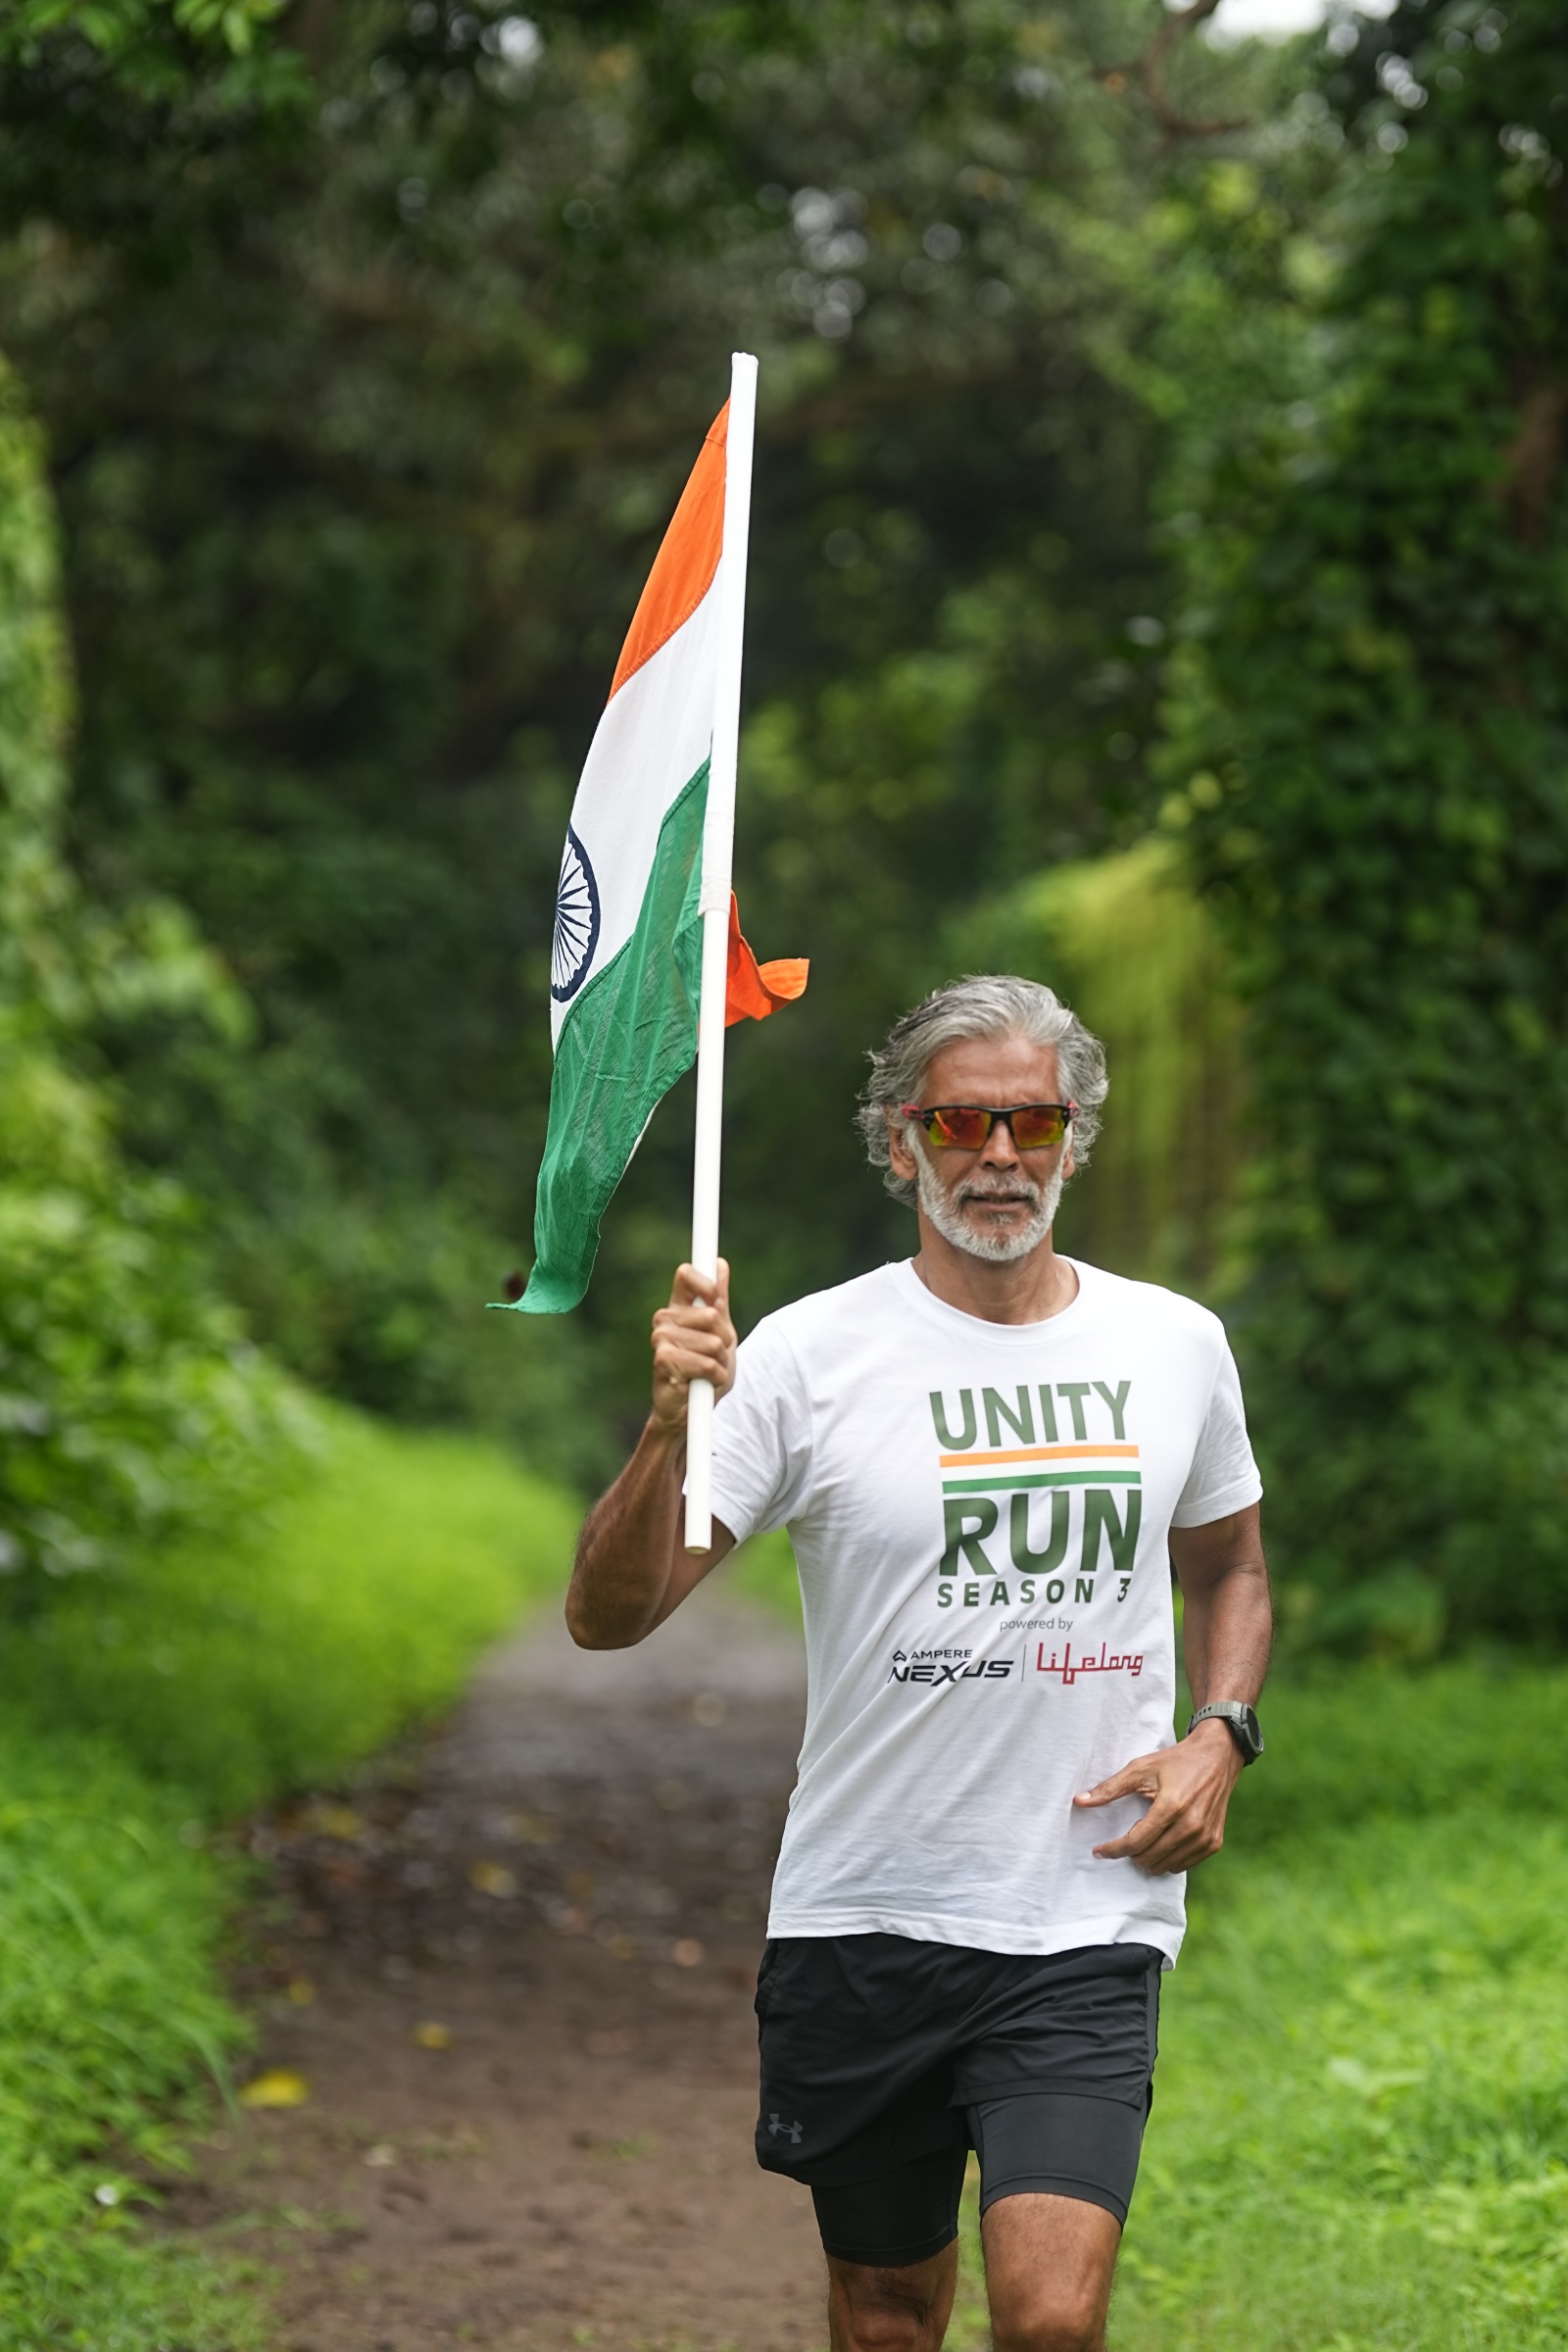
column 1240, row 1721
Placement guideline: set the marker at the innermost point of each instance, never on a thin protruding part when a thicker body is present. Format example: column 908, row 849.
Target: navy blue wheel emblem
column 577, row 921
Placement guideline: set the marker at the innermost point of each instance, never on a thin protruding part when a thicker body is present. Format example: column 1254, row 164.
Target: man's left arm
column 1227, row 1623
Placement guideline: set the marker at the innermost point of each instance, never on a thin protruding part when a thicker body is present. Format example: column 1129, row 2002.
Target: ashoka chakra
column 577, row 921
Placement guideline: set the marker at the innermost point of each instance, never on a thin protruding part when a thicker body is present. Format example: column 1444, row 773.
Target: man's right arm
column 632, row 1566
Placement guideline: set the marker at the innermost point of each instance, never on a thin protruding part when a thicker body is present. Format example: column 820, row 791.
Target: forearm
column 621, row 1580
column 1227, row 1627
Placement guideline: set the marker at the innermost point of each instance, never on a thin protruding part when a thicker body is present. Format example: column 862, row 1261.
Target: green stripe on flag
column 629, row 1036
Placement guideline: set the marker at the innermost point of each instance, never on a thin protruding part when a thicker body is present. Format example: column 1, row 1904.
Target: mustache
column 1001, row 1188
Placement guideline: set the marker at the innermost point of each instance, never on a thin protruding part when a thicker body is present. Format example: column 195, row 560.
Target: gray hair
column 985, row 1005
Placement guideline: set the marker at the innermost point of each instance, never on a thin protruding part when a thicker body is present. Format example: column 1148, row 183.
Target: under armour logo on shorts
column 794, row 2129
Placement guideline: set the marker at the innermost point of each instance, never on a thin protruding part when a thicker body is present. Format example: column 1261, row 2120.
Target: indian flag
column 626, row 967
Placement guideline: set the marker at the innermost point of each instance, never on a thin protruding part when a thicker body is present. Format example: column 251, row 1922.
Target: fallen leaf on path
column 433, row 2036
column 531, row 1829
column 493, row 1877
column 580, row 1885
column 280, row 2088
column 335, row 1820
column 381, row 2156
column 301, row 1991
column 687, row 1952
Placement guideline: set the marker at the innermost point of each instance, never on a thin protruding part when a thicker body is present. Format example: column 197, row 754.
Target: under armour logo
column 794, row 2129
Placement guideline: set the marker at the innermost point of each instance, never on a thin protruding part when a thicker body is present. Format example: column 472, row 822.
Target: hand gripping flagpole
column 718, row 836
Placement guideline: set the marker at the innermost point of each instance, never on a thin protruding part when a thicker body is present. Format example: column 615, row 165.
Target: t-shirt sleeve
column 1224, row 1476
column 761, row 1439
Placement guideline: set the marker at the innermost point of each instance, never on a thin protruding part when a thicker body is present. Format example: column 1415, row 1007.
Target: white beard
column 945, row 1211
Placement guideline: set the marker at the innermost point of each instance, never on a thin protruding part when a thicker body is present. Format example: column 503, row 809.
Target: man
column 989, row 1460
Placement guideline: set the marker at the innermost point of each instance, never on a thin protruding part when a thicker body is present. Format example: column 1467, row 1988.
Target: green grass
column 111, row 2019
column 1359, row 2141
column 355, row 1607
column 208, row 1683
column 765, row 1570
column 1361, row 2133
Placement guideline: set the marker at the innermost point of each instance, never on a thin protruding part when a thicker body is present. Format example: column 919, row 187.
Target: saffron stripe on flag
column 684, row 568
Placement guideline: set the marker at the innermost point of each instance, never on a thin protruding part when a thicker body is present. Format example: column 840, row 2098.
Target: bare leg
column 871, row 2310
column 1049, row 2266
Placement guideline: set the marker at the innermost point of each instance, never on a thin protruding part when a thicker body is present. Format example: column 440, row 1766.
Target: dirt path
column 565, row 1895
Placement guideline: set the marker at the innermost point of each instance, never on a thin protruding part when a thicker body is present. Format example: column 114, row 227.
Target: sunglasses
column 964, row 1126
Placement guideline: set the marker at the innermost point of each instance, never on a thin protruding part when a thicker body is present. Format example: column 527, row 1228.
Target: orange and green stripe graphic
column 1017, row 1468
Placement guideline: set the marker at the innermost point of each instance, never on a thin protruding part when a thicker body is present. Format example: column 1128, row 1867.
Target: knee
column 1050, row 2323
column 879, row 2317
column 889, row 2328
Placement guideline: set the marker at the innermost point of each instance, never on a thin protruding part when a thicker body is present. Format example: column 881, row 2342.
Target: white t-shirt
column 979, row 1513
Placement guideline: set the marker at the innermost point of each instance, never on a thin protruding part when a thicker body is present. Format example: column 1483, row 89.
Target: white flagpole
column 718, row 836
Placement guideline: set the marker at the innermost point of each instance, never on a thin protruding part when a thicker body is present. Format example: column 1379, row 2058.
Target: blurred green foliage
column 1127, row 940
column 130, row 1407
column 1369, row 736
column 122, row 31
column 762, row 1569
column 366, row 414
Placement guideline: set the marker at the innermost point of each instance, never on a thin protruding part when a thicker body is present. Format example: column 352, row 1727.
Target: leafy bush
column 130, row 1408
column 1370, row 707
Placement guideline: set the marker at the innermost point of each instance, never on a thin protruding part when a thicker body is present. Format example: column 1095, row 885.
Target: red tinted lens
column 1038, row 1125
column 963, row 1128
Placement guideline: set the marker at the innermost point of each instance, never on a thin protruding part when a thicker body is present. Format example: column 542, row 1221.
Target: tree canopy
column 1155, row 570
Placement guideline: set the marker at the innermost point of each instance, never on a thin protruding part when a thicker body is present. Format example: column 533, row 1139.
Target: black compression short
column 884, row 2060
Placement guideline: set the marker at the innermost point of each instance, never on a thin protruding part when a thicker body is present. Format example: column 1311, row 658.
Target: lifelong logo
column 1068, row 1668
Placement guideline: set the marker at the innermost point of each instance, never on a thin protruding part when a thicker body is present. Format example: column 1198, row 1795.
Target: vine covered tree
column 1371, row 743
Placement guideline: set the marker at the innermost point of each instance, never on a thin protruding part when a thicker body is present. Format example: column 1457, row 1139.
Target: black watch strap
column 1241, row 1722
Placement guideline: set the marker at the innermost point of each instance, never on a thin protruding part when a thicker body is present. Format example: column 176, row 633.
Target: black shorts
column 884, row 2061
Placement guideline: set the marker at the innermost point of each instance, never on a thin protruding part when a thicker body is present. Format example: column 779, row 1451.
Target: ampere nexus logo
column 935, row 1669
